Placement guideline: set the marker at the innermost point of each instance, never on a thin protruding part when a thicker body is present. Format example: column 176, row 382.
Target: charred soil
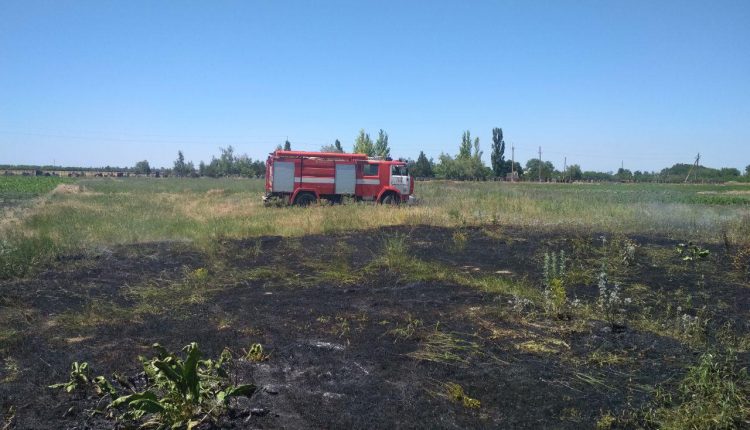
column 355, row 340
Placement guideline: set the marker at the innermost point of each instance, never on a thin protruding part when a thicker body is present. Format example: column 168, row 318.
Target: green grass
column 714, row 394
column 201, row 211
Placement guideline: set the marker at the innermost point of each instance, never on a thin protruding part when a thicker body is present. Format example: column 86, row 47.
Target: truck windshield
column 399, row 171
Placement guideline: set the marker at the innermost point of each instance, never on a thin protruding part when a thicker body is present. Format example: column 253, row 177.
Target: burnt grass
column 355, row 351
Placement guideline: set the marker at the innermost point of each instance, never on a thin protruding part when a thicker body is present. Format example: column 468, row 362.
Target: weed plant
column 555, row 297
column 180, row 393
column 457, row 394
column 611, row 303
column 255, row 353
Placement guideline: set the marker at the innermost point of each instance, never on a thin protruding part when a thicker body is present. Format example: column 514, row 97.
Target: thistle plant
column 611, row 303
column 555, row 297
column 628, row 252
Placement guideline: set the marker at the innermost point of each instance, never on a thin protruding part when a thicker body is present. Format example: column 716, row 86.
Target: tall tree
column 477, row 152
column 498, row 153
column 179, row 164
column 464, row 151
column 574, row 172
column 533, row 166
column 422, row 168
column 363, row 144
column 747, row 170
column 335, row 147
column 142, row 168
column 476, row 168
column 381, row 147
column 287, row 146
column 227, row 164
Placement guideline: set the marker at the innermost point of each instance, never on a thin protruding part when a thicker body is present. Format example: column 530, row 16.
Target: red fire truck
column 302, row 178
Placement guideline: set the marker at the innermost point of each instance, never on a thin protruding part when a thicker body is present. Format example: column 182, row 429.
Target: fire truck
column 302, row 178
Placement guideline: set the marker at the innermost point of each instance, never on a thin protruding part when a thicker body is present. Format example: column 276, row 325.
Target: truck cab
column 384, row 181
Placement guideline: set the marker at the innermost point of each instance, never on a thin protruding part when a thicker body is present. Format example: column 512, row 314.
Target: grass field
column 486, row 305
column 105, row 212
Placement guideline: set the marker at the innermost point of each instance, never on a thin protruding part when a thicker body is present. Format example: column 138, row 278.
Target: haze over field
column 601, row 83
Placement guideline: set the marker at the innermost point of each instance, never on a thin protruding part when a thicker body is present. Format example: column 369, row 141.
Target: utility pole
column 539, row 170
column 697, row 166
column 565, row 167
column 694, row 166
column 512, row 163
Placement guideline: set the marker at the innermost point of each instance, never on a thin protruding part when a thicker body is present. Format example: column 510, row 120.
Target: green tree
column 338, row 146
column 624, row 175
column 287, row 145
column 476, row 168
column 181, row 168
column 363, row 144
column 244, row 166
column 533, row 167
column 422, row 168
column 477, row 155
column 464, row 151
column 332, row 148
column 381, row 147
column 499, row 167
column 226, row 162
column 447, row 167
column 142, row 168
column 747, row 170
column 574, row 172
column 591, row 175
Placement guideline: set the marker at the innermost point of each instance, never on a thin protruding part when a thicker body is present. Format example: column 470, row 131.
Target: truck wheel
column 390, row 199
column 305, row 199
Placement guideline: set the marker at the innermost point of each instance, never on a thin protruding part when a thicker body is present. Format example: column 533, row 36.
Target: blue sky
column 646, row 83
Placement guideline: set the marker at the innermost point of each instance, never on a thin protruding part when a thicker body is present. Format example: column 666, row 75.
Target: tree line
column 466, row 164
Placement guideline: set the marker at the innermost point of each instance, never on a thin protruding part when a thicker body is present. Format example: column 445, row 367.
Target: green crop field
column 13, row 188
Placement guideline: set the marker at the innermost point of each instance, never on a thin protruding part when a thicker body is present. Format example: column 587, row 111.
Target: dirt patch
column 353, row 344
column 730, row 192
column 67, row 189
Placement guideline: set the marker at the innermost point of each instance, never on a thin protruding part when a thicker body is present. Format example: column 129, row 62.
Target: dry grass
column 104, row 212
